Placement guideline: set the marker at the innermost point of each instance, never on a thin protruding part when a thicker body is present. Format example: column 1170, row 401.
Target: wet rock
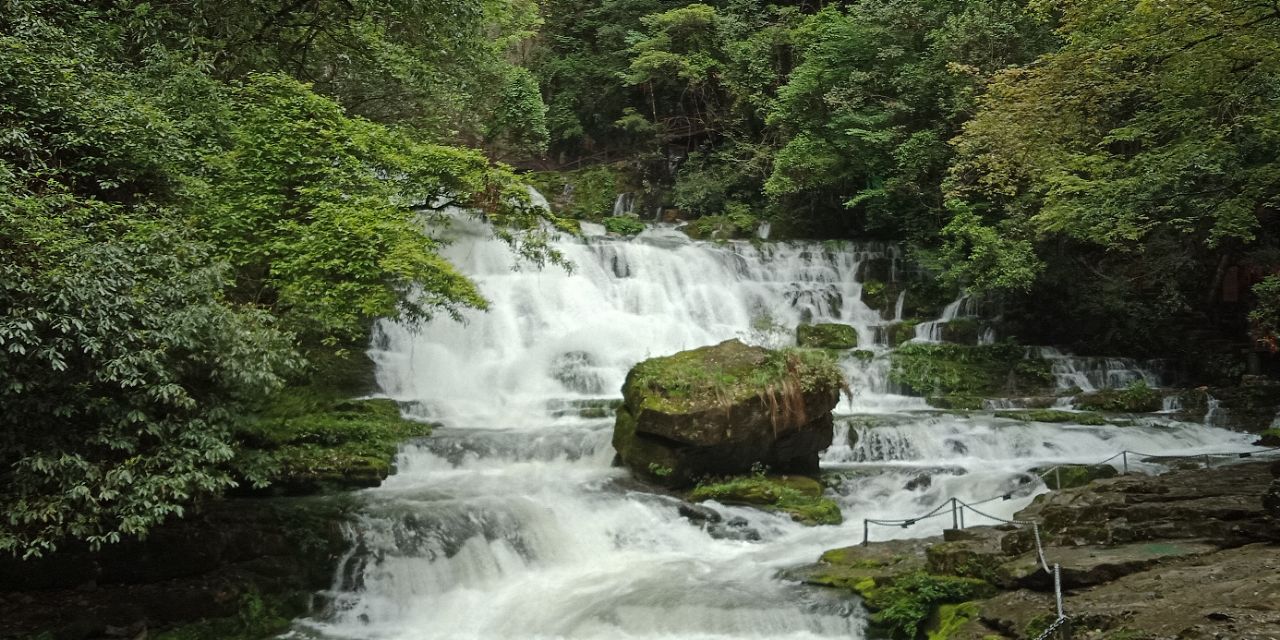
column 827, row 336
column 1069, row 476
column 1251, row 408
column 1221, row 504
column 724, row 409
column 699, row 513
column 1091, row 565
column 741, row 534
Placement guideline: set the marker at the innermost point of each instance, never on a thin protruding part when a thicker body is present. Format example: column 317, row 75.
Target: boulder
column 827, row 336
column 724, row 410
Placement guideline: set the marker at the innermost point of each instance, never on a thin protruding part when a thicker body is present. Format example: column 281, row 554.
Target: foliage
column 187, row 203
column 737, row 221
column 623, row 225
column 1125, row 170
column 1266, row 314
column 827, row 336
column 121, row 368
column 1136, row 398
column 904, row 604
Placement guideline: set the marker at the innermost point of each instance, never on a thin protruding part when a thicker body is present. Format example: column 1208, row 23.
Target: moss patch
column 960, row 370
column 1137, row 398
column 1051, row 415
column 587, row 194
column 696, row 379
column 258, row 617
column 623, row 226
column 799, row 496
column 827, row 336
column 902, row 606
column 950, row 618
column 311, row 442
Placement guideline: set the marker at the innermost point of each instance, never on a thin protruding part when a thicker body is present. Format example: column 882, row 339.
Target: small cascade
column 624, row 205
column 537, row 199
column 1087, row 373
column 763, row 230
column 932, row 331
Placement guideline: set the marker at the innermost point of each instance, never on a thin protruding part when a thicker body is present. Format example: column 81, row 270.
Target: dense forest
column 202, row 203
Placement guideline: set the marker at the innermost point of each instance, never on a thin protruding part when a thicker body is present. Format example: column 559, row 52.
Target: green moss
column 623, row 225
column 827, row 336
column 736, row 221
column 863, row 355
column 878, row 295
column 1137, row 398
column 799, row 496
column 587, row 194
column 311, row 442
column 902, row 606
column 950, row 618
column 899, row 333
column 956, row 403
column 726, row 374
column 258, row 617
column 961, row 370
column 962, row 331
column 1056, row 416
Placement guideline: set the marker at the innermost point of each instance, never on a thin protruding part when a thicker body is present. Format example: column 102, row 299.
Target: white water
column 511, row 523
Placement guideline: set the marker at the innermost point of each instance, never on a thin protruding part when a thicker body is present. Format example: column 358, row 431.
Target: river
column 510, row 522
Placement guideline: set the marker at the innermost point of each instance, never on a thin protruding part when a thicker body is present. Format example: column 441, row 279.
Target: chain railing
column 958, row 508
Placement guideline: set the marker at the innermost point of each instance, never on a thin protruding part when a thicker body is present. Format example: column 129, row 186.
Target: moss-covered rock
column 956, row 402
column 799, row 496
column 959, row 370
column 962, row 331
column 1055, row 416
column 899, row 333
column 724, row 409
column 1137, row 398
column 301, row 448
column 827, row 336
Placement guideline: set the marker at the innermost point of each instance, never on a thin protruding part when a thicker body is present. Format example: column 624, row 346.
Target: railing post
column 1057, row 478
column 961, row 517
column 1126, row 461
column 1057, row 587
column 866, row 532
column 955, row 517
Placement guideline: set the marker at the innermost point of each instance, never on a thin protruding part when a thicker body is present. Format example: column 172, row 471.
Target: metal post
column 1057, row 587
column 955, row 517
column 866, row 532
column 1057, row 478
column 1126, row 461
column 961, row 517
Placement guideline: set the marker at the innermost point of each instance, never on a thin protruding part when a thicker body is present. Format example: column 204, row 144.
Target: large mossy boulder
column 724, row 409
column 827, row 336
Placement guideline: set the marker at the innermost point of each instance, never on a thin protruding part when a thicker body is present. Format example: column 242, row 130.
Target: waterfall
column 625, row 204
column 509, row 522
column 931, row 331
column 1085, row 373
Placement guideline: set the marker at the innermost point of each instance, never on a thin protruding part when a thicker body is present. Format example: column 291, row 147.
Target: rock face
column 721, row 410
column 1188, row 555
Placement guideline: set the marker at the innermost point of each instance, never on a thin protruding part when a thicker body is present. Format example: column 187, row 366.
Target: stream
column 510, row 522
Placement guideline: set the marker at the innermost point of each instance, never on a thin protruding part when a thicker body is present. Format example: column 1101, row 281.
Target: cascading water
column 510, row 522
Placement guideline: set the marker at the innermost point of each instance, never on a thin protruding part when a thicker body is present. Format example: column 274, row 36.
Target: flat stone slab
column 1094, row 564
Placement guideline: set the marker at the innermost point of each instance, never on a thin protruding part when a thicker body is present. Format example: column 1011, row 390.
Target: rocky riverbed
column 1187, row 555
